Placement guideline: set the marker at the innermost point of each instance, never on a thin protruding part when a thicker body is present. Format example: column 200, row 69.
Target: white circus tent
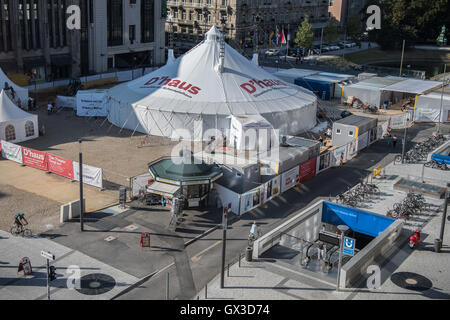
column 20, row 92
column 200, row 90
column 16, row 125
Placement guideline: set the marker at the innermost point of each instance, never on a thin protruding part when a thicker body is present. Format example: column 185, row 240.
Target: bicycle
column 16, row 231
column 436, row 165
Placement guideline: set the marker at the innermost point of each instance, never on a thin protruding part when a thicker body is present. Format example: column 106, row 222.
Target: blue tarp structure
column 323, row 89
column 441, row 158
column 361, row 221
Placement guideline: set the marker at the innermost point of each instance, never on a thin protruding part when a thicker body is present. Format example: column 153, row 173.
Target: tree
column 305, row 35
column 411, row 20
column 354, row 27
column 331, row 31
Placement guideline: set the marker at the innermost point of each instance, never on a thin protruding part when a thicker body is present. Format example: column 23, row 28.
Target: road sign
column 349, row 246
column 48, row 255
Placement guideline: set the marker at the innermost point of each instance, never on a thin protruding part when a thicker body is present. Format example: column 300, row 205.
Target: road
column 197, row 264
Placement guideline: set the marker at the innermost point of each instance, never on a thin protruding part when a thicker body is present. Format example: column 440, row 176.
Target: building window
column 29, row 129
column 148, row 20
column 183, row 15
column 224, row 2
column 350, row 133
column 338, row 131
column 10, row 133
column 115, row 22
column 191, row 15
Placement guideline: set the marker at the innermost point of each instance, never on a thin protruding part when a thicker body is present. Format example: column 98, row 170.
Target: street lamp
column 81, row 185
column 438, row 242
column 404, row 141
column 226, row 210
column 343, row 229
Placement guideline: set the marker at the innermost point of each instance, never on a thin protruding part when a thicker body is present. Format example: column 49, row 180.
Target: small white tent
column 20, row 92
column 16, row 125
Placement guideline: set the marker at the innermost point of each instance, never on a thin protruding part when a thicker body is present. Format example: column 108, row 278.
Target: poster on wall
column 307, row 170
column 339, row 156
column 289, row 179
column 91, row 175
column 323, row 162
column 34, row 158
column 92, row 103
column 12, row 152
column 363, row 141
column 60, row 166
column 250, row 200
column 352, row 149
column 271, row 189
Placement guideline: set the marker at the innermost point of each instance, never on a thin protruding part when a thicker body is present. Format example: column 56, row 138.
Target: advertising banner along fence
column 307, row 170
column 91, row 175
column 12, row 152
column 35, row 159
column 323, row 162
column 272, row 189
column 289, row 179
column 60, row 166
column 250, row 200
column 339, row 156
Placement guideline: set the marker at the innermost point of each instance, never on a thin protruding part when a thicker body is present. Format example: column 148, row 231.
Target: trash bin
column 437, row 245
column 249, row 254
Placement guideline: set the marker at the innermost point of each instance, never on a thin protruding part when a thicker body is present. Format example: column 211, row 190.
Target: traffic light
column 52, row 273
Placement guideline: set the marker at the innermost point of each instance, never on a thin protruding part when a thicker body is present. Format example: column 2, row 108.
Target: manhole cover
column 110, row 238
column 96, row 283
column 131, row 227
column 411, row 281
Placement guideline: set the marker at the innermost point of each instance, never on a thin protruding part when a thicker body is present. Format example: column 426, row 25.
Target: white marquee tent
column 195, row 94
column 21, row 92
column 16, row 125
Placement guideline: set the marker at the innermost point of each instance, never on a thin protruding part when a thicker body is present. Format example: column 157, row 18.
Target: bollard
column 206, row 291
column 228, row 270
column 437, row 245
column 239, row 259
column 167, row 286
column 249, row 254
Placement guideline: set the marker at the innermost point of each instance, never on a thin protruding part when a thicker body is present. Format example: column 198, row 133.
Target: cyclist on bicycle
column 255, row 231
column 20, row 221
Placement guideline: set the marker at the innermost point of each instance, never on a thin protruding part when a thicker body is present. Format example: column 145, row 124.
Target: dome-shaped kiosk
column 196, row 94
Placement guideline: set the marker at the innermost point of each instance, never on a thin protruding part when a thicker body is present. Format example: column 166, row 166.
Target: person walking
column 394, row 142
column 255, row 231
column 49, row 108
column 389, row 139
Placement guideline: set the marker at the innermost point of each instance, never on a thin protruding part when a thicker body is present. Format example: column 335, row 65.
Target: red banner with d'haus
column 60, row 166
column 34, row 158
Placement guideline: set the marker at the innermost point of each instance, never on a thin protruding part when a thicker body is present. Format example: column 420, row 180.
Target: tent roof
column 9, row 111
column 296, row 72
column 21, row 92
column 194, row 84
column 414, row 86
column 380, row 81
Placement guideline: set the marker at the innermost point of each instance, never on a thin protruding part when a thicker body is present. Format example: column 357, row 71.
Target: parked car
column 325, row 48
column 272, row 52
column 334, row 47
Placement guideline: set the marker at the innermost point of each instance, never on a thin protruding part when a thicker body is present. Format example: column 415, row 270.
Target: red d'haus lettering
column 151, row 81
column 248, row 87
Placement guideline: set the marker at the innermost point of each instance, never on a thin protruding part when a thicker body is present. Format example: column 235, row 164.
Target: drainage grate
column 411, row 281
column 131, row 227
column 110, row 238
column 96, row 283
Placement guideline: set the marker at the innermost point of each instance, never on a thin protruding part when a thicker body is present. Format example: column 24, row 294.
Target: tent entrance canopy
column 163, row 189
column 413, row 86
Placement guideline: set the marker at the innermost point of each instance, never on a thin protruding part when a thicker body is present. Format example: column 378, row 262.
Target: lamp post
column 224, row 241
column 81, row 185
column 343, row 229
column 404, row 140
column 438, row 242
column 442, row 99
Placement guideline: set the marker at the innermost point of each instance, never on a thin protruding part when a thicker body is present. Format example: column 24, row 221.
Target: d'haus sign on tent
column 200, row 90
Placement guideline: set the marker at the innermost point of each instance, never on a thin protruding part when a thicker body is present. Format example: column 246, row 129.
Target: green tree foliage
column 331, row 31
column 305, row 35
column 354, row 27
column 416, row 21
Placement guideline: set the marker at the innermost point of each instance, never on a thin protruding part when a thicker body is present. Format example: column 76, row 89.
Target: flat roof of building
column 355, row 120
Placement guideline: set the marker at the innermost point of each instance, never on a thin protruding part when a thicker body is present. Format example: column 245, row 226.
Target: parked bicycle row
column 436, row 165
column 421, row 150
column 413, row 204
column 358, row 195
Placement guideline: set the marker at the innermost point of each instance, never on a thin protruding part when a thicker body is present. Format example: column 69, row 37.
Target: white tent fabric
column 413, row 86
column 21, row 92
column 191, row 94
column 428, row 108
column 16, row 125
column 369, row 91
column 170, row 57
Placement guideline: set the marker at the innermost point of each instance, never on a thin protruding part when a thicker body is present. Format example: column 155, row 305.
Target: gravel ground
column 119, row 154
column 41, row 213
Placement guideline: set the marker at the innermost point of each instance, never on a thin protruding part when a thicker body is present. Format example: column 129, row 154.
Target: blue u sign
column 349, row 246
